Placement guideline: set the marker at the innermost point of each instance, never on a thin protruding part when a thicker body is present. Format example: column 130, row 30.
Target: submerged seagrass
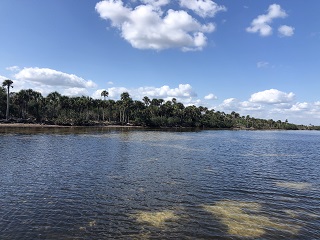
column 294, row 185
column 245, row 219
column 157, row 219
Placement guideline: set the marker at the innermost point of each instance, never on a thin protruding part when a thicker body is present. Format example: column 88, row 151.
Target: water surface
column 133, row 184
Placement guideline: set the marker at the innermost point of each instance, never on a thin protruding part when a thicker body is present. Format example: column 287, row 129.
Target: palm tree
column 125, row 103
column 7, row 83
column 146, row 101
column 53, row 102
column 19, row 100
column 104, row 94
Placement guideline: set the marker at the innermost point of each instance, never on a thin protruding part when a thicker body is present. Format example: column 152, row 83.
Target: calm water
column 134, row 184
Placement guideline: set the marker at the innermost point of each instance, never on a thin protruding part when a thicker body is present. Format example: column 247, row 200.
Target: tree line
column 29, row 106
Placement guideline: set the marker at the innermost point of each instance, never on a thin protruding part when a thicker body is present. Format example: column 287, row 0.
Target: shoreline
column 38, row 125
column 50, row 126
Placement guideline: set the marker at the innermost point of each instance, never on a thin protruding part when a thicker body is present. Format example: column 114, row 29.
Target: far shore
column 115, row 126
column 38, row 125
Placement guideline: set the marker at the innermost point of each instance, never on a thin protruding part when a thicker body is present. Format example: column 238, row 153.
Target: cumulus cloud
column 286, row 31
column 229, row 104
column 46, row 80
column 183, row 93
column 204, row 8
column 300, row 106
column 147, row 26
column 210, row 96
column 233, row 104
column 271, row 96
column 250, row 106
column 262, row 23
column 156, row 3
column 51, row 77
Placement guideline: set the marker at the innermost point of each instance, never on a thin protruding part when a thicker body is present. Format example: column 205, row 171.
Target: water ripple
column 97, row 184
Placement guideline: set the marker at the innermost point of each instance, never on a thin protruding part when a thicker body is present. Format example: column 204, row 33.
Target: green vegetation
column 29, row 106
column 7, row 83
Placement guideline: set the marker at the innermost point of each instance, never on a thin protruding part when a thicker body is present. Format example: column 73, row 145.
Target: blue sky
column 258, row 58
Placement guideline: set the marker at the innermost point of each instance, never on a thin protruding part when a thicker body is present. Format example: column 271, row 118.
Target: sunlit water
column 135, row 184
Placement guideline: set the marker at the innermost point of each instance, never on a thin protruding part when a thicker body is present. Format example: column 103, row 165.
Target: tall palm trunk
column 8, row 99
column 7, row 83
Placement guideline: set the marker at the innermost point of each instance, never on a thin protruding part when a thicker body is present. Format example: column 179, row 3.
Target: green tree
column 28, row 102
column 192, row 116
column 20, row 102
column 53, row 104
column 138, row 113
column 146, row 101
column 104, row 94
column 3, row 97
column 7, row 83
column 125, row 104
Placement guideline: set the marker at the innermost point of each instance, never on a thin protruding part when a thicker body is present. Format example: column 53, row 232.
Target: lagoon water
column 136, row 184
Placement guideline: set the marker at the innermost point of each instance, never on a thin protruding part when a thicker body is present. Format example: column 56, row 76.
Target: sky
column 257, row 58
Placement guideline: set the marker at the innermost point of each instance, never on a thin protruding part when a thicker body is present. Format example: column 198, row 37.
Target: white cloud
column 283, row 106
column 147, row 27
column 2, row 78
column 286, row 31
column 114, row 11
column 46, row 80
column 271, row 96
column 262, row 64
column 300, row 107
column 233, row 104
column 317, row 103
column 183, row 93
column 210, row 96
column 156, row 3
column 262, row 23
column 13, row 68
column 204, row 8
column 75, row 91
column 51, row 77
column 229, row 103
column 250, row 106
